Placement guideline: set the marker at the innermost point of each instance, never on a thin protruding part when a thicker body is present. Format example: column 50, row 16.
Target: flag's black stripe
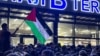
column 44, row 24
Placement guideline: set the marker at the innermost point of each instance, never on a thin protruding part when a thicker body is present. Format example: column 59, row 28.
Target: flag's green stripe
column 36, row 32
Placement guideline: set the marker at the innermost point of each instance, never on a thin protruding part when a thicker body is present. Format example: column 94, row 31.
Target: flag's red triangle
column 32, row 16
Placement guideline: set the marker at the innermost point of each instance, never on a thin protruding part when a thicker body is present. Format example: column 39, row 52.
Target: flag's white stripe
column 41, row 29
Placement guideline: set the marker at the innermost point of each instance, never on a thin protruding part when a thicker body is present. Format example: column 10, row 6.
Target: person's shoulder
column 9, row 32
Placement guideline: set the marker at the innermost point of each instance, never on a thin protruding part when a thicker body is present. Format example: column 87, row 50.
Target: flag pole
column 18, row 28
column 21, row 24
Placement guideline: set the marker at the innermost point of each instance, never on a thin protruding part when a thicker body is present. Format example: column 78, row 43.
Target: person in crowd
column 83, row 53
column 58, row 54
column 47, row 52
column 95, row 51
column 4, row 38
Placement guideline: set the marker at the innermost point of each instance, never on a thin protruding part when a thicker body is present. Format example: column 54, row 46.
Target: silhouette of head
column 47, row 53
column 4, row 26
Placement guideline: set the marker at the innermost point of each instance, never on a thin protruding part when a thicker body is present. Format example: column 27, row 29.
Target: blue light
column 95, row 6
column 90, row 6
column 43, row 2
column 75, row 5
column 33, row 2
column 19, row 1
column 14, row 0
column 61, row 6
column 85, row 7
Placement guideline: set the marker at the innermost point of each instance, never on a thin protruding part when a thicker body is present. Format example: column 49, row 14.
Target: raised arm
column 14, row 33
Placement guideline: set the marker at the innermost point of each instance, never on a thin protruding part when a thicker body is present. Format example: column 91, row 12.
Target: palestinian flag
column 37, row 27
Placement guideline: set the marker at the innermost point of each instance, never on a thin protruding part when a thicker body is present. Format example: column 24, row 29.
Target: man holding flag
column 5, row 37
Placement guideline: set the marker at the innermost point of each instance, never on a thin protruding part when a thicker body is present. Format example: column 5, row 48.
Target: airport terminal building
column 72, row 22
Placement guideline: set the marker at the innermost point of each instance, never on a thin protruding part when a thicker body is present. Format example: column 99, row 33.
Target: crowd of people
column 51, row 49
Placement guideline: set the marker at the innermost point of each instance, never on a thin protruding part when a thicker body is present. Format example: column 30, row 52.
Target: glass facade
column 85, row 42
column 65, row 30
column 28, row 41
column 85, row 31
column 15, row 23
column 65, row 41
column 15, row 41
column 71, row 28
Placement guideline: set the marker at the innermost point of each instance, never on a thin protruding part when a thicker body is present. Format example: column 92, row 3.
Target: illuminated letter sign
column 19, row 1
column 58, row 4
column 14, row 0
column 85, row 6
column 75, row 5
column 90, row 6
column 33, row 2
column 43, row 2
column 95, row 6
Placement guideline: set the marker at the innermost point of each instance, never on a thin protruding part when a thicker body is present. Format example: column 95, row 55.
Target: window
column 65, row 30
column 85, row 31
column 28, row 41
column 65, row 41
column 85, row 42
column 15, row 41
column 23, row 29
